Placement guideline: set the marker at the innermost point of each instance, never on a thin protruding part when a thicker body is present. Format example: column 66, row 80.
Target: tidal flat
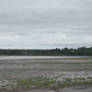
column 48, row 73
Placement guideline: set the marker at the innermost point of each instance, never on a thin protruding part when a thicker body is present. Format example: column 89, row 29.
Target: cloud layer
column 37, row 24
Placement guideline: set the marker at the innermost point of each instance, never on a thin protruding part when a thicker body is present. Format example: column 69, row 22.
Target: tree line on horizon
column 82, row 51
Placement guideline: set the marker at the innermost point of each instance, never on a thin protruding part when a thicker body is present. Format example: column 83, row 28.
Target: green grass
column 37, row 82
column 41, row 82
column 44, row 82
column 44, row 62
column 66, row 63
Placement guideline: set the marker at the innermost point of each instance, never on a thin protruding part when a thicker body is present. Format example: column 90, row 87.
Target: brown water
column 46, row 58
column 41, row 57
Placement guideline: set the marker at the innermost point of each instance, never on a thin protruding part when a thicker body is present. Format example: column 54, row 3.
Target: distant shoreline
column 82, row 51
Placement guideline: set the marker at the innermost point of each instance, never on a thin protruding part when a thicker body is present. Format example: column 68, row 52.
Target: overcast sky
column 41, row 24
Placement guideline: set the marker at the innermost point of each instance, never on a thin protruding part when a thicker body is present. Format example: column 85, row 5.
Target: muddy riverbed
column 26, row 67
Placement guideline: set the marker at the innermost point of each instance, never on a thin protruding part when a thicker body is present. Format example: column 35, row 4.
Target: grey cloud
column 45, row 23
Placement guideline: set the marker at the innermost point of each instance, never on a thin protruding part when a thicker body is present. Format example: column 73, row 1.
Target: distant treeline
column 83, row 51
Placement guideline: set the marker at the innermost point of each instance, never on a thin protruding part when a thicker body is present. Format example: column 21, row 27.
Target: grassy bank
column 66, row 63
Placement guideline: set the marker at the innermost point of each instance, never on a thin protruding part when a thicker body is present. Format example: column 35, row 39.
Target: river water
column 44, row 57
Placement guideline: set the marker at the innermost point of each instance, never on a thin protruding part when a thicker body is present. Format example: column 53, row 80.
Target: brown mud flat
column 23, row 68
column 29, row 71
column 79, row 88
